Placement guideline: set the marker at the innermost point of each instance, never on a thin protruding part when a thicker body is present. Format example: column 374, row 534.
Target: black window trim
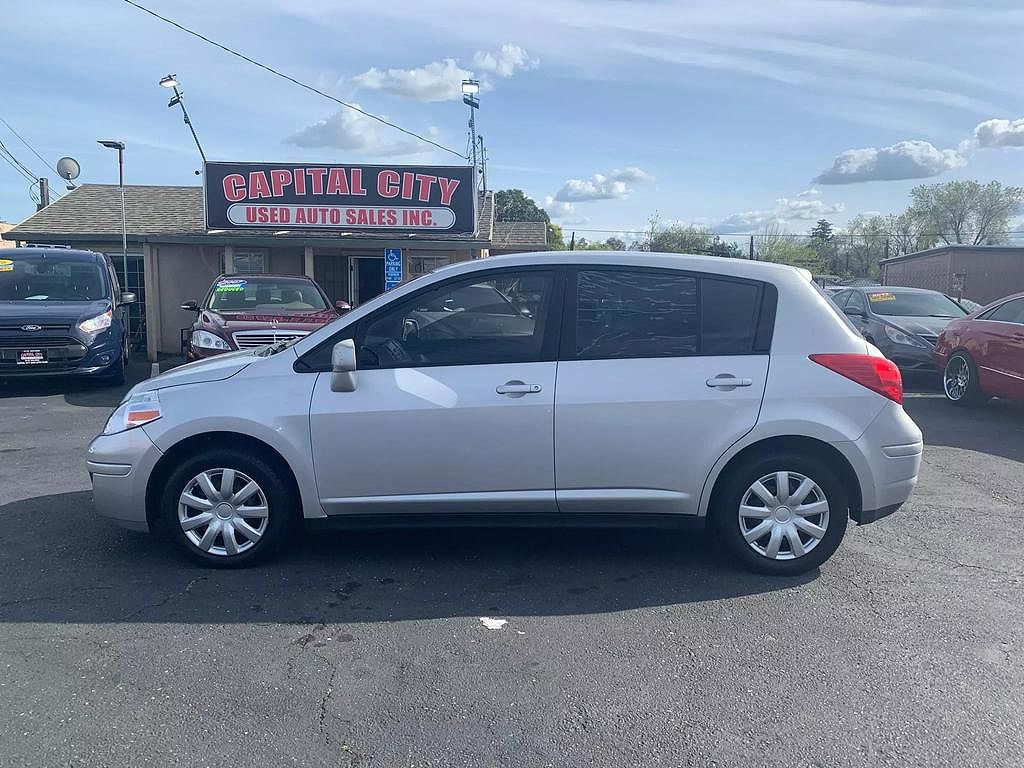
column 987, row 315
column 763, row 332
column 552, row 327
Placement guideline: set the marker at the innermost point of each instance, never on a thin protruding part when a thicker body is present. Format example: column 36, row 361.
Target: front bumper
column 97, row 360
column 910, row 359
column 119, row 467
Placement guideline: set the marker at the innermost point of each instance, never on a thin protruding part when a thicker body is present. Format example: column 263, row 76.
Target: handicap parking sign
column 392, row 267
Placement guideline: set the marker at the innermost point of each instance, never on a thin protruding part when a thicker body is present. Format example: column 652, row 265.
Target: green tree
column 965, row 211
column 556, row 239
column 775, row 243
column 514, row 205
column 822, row 231
column 864, row 245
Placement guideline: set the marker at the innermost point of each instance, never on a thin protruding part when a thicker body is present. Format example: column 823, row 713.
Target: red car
column 247, row 311
column 982, row 355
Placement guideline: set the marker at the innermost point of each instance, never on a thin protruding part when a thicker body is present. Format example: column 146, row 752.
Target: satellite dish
column 68, row 168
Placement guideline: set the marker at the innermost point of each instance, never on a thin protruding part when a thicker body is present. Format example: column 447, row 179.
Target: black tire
column 282, row 508
column 733, row 488
column 972, row 394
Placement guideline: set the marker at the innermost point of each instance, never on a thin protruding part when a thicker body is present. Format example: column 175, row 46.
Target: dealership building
column 181, row 238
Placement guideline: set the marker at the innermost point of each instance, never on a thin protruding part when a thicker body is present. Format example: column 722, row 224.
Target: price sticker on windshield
column 881, row 297
column 6, row 265
column 225, row 286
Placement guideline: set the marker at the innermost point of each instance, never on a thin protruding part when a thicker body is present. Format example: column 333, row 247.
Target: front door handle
column 728, row 382
column 516, row 388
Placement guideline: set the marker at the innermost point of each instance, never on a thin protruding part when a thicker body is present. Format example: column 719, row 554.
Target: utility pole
column 751, row 251
column 44, row 193
column 470, row 97
column 483, row 163
column 171, row 81
column 119, row 146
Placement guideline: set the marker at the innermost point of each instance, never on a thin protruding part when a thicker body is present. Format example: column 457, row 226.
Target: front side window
column 623, row 314
column 50, row 278
column 1010, row 312
column 477, row 320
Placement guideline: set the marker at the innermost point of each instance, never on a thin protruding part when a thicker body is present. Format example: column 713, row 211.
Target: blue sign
column 392, row 267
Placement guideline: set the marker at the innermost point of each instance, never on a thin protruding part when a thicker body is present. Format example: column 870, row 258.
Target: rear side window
column 622, row 313
column 1010, row 312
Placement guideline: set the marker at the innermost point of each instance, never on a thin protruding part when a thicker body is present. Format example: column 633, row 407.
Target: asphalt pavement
column 624, row 648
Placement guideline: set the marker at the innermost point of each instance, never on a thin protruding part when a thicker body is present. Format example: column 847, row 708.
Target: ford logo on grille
column 31, row 327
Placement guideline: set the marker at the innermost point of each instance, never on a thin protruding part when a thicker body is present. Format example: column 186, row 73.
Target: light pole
column 119, row 146
column 470, row 91
column 171, row 81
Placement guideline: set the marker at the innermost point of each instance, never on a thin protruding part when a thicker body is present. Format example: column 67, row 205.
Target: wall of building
column 931, row 271
column 286, row 261
column 6, row 227
column 183, row 272
column 990, row 275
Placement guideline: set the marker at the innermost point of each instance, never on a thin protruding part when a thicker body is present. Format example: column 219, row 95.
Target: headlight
column 207, row 340
column 134, row 412
column 900, row 337
column 98, row 323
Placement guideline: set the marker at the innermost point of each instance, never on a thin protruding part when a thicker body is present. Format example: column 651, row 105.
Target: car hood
column 50, row 312
column 244, row 321
column 927, row 326
column 208, row 369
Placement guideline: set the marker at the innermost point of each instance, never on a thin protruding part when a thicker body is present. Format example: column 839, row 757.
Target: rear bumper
column 865, row 516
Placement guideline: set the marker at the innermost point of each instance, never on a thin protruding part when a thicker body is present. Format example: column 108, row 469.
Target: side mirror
column 190, row 306
column 343, row 366
column 342, row 306
column 128, row 298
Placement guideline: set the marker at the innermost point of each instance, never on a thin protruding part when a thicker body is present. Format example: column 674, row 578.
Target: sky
column 728, row 114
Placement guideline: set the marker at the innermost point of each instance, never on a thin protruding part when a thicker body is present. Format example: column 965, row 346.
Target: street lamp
column 171, row 81
column 119, row 146
column 470, row 91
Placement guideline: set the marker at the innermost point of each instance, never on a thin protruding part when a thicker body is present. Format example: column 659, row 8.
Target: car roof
column 66, row 254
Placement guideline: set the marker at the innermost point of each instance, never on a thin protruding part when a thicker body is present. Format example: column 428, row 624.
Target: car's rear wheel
column 227, row 509
column 782, row 514
column 960, row 380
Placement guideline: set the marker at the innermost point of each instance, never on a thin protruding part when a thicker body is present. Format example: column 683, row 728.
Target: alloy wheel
column 783, row 515
column 223, row 511
column 956, row 379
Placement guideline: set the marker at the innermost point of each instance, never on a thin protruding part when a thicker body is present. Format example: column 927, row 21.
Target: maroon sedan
column 246, row 311
column 982, row 355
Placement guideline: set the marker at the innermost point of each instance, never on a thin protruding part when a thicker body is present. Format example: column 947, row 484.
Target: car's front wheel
column 782, row 514
column 227, row 509
column 960, row 380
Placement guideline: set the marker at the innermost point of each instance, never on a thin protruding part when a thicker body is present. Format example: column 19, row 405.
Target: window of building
column 250, row 262
column 421, row 265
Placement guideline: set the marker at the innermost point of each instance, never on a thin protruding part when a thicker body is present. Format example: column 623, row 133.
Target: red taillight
column 876, row 373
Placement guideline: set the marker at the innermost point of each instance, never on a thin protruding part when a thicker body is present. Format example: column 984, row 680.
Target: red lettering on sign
column 279, row 179
column 448, row 187
column 426, row 181
column 410, row 217
column 361, row 217
column 234, row 187
column 337, row 184
column 427, row 218
column 316, row 176
column 300, row 215
column 387, row 183
column 323, row 215
column 335, row 216
column 250, row 214
column 299, row 179
column 407, row 181
column 357, row 181
column 350, row 216
column 392, row 217
column 258, row 185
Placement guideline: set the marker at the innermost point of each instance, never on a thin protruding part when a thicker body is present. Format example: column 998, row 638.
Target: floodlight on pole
column 171, row 81
column 470, row 89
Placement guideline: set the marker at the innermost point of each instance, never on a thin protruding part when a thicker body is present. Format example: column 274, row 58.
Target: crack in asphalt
column 165, row 600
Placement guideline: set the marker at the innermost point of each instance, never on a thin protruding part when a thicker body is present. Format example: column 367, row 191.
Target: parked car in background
column 902, row 322
column 689, row 388
column 969, row 305
column 982, row 356
column 248, row 311
column 62, row 312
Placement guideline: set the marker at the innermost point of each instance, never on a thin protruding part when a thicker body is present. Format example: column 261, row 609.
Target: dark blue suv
column 62, row 312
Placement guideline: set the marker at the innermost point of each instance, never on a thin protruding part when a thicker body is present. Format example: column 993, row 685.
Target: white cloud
column 812, row 192
column 506, row 62
column 785, row 210
column 352, row 131
column 999, row 132
column 611, row 186
column 904, row 160
column 437, row 81
column 562, row 212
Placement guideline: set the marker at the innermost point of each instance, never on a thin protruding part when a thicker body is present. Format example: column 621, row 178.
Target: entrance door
column 660, row 373
column 369, row 278
column 453, row 406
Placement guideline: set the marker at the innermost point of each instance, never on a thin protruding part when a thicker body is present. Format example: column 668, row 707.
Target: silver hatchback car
column 550, row 388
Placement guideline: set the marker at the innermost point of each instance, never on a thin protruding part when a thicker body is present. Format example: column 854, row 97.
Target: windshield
column 43, row 277
column 267, row 295
column 905, row 304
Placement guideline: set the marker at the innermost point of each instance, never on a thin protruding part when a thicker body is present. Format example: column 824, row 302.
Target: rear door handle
column 516, row 388
column 728, row 382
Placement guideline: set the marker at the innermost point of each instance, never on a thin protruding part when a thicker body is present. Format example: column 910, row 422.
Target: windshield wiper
column 273, row 349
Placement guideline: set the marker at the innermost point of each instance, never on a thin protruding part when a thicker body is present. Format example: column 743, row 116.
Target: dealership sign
column 378, row 198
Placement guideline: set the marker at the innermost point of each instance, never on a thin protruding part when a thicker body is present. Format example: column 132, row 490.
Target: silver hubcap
column 223, row 511
column 956, row 378
column 783, row 515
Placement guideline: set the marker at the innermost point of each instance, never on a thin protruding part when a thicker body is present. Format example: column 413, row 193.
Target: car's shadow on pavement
column 83, row 392
column 62, row 564
column 995, row 428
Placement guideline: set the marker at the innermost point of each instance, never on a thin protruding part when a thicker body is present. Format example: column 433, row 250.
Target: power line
column 31, row 149
column 291, row 79
column 15, row 163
